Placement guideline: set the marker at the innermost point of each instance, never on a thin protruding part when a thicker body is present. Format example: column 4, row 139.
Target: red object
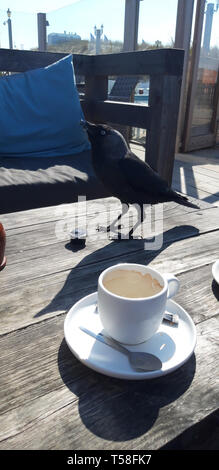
column 2, row 247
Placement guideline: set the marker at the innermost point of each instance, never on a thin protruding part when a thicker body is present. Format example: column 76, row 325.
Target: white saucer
column 172, row 344
column 215, row 271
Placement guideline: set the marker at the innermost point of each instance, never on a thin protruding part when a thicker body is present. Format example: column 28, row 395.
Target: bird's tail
column 184, row 200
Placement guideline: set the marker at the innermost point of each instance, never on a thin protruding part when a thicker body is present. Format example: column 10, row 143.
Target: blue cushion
column 40, row 113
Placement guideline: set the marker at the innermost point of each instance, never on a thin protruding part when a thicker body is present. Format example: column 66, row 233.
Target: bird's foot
column 131, row 236
column 124, row 237
column 109, row 228
column 116, row 236
column 100, row 228
column 114, row 233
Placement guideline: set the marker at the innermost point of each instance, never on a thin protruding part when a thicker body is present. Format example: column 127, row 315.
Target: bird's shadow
column 134, row 251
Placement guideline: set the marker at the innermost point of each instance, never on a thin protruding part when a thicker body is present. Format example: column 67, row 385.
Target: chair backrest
column 163, row 66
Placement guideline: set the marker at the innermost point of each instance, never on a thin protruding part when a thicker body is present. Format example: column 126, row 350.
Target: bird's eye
column 102, row 132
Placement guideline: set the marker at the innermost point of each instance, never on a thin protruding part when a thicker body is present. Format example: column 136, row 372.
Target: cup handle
column 173, row 284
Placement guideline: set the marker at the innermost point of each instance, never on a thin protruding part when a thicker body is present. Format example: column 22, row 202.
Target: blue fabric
column 40, row 113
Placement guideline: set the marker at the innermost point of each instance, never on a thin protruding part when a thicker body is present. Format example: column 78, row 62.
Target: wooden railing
column 164, row 66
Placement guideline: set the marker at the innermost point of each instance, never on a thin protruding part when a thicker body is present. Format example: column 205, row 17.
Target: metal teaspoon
column 138, row 359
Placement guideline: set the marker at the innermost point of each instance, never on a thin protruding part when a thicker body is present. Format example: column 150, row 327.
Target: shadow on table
column 200, row 436
column 215, row 289
column 121, row 410
column 126, row 250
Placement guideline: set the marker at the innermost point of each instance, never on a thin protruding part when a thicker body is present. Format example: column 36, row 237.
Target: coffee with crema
column 131, row 284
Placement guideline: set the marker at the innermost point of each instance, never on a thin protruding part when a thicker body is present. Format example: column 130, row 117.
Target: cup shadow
column 116, row 409
column 215, row 289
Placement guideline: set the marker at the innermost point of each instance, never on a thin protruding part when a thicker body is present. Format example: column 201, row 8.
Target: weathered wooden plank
column 183, row 33
column 161, row 138
column 128, row 114
column 23, row 241
column 55, row 213
column 206, row 168
column 200, row 190
column 46, row 286
column 195, row 192
column 195, row 285
column 206, row 165
column 200, row 141
column 20, row 307
column 202, row 181
column 206, row 157
column 215, row 107
column 200, row 436
column 32, row 251
column 211, row 171
column 13, row 60
column 24, row 238
column 193, row 74
column 198, row 170
column 96, row 87
column 89, row 410
column 180, row 183
column 157, row 61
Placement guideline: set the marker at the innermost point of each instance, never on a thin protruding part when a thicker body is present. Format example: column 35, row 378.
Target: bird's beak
column 88, row 126
column 83, row 123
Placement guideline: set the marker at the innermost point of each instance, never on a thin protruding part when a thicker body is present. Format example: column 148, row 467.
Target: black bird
column 123, row 174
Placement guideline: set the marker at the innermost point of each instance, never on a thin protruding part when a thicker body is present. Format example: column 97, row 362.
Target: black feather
column 123, row 174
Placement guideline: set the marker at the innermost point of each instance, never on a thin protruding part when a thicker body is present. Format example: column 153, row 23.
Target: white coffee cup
column 134, row 320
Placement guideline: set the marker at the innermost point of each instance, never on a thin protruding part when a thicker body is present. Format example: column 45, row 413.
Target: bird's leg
column 112, row 227
column 142, row 216
column 109, row 227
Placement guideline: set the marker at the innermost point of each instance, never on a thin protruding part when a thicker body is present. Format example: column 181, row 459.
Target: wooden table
column 49, row 400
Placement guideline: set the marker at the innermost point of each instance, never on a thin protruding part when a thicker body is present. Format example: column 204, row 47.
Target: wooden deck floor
column 195, row 174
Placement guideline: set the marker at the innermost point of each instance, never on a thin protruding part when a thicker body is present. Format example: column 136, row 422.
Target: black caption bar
column 104, row 459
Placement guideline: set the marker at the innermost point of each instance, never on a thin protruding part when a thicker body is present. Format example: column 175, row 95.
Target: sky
column 32, row 6
column 156, row 20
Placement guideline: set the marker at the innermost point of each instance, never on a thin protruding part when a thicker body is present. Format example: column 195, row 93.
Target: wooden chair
column 164, row 66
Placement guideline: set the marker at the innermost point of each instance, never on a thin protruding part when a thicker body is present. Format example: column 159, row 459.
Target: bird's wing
column 141, row 176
